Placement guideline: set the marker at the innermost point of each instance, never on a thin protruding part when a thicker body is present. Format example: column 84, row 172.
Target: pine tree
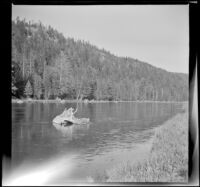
column 14, row 88
column 28, row 89
column 69, row 68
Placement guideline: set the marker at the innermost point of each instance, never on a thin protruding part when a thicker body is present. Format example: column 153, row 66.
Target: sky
column 156, row 34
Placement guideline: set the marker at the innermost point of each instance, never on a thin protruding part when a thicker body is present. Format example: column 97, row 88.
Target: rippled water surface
column 118, row 132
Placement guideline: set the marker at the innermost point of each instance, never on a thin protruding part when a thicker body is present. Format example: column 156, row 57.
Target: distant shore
column 86, row 101
column 168, row 158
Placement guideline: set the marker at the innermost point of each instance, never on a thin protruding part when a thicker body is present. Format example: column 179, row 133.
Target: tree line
column 46, row 65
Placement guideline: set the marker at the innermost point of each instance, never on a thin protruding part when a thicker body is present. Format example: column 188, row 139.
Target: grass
column 168, row 160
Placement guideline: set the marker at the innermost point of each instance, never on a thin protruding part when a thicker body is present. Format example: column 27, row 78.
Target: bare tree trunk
column 162, row 94
column 156, row 95
column 60, row 73
column 145, row 94
column 30, row 64
column 153, row 95
column 81, row 98
column 23, row 62
column 77, row 101
column 78, row 96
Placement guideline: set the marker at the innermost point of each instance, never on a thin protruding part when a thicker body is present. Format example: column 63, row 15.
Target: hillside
column 46, row 65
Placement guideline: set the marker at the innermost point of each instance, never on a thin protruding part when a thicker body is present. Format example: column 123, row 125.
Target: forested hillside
column 46, row 65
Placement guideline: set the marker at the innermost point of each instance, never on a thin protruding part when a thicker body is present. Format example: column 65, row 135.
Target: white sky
column 156, row 34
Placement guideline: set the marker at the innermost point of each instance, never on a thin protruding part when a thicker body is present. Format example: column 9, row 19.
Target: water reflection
column 116, row 128
column 72, row 131
column 18, row 114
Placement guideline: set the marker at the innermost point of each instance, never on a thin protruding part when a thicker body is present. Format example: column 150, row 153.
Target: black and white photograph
column 100, row 94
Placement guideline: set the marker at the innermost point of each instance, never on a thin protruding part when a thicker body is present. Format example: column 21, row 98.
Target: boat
column 68, row 119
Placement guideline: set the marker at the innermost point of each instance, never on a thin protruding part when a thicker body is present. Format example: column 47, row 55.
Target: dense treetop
column 46, row 65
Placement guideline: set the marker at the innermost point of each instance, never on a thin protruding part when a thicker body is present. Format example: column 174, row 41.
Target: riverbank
column 168, row 158
column 20, row 101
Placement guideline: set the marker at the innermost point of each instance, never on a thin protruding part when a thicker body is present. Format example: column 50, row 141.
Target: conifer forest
column 47, row 65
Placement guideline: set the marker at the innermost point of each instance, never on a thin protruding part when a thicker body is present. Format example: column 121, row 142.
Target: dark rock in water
column 67, row 123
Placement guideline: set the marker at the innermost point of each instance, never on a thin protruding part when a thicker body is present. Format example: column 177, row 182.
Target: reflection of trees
column 148, row 110
column 18, row 114
column 41, row 109
column 104, row 111
column 32, row 114
column 27, row 112
column 36, row 113
column 91, row 110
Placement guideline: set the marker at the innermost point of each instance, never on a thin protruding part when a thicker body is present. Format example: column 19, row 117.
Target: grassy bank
column 168, row 160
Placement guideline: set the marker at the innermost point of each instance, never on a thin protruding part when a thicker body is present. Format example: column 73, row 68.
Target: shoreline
column 167, row 160
column 19, row 101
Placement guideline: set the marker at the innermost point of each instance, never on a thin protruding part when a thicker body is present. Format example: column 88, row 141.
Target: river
column 118, row 132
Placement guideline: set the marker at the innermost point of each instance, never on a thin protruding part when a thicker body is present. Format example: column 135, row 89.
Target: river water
column 118, row 132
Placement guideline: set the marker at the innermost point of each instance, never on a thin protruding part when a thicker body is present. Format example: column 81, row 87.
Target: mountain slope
column 62, row 67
